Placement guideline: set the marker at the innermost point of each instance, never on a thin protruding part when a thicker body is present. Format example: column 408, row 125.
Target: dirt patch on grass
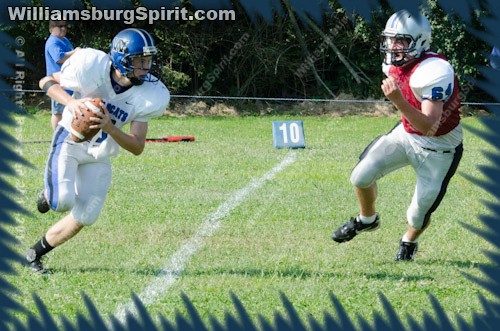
column 344, row 105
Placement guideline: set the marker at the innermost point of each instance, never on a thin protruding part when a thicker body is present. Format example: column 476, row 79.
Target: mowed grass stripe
column 175, row 266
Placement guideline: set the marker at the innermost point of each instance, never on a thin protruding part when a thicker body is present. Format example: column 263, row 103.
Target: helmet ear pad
column 126, row 64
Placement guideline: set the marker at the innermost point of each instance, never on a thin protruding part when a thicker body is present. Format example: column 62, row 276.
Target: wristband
column 48, row 84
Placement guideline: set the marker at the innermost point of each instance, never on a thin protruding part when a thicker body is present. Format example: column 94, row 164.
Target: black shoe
column 352, row 227
column 41, row 203
column 35, row 264
column 406, row 251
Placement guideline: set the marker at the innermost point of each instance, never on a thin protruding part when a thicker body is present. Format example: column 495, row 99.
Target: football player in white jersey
column 78, row 175
column 423, row 87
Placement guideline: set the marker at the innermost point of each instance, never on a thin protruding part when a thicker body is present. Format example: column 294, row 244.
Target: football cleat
column 352, row 227
column 406, row 251
column 35, row 263
column 41, row 203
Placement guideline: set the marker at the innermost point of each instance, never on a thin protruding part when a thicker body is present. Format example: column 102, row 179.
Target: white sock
column 367, row 219
column 405, row 239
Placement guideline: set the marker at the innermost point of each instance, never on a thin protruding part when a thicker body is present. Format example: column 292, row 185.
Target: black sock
column 42, row 247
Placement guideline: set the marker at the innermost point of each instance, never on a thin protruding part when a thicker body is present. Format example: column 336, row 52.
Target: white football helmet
column 404, row 25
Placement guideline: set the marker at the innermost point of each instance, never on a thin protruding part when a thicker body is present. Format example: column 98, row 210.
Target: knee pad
column 87, row 212
column 360, row 179
column 421, row 208
column 415, row 217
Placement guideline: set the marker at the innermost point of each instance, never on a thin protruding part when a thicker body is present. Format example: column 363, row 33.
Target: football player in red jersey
column 423, row 87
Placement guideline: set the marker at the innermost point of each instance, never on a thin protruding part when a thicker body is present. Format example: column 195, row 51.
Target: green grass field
column 273, row 238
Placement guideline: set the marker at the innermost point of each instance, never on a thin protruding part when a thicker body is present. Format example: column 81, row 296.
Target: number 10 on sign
column 288, row 134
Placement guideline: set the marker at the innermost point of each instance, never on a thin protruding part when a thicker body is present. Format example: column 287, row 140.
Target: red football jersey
column 451, row 110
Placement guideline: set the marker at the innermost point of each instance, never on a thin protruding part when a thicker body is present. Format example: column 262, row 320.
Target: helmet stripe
column 396, row 18
column 151, row 41
column 148, row 41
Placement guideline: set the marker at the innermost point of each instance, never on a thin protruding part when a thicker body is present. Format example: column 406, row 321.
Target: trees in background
column 292, row 57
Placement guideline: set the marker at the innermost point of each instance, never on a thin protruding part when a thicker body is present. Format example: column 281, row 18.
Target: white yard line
column 173, row 269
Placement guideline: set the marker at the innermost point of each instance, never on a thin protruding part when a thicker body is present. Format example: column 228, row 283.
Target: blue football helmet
column 129, row 43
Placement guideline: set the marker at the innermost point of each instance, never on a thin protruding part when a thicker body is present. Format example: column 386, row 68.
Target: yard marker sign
column 288, row 134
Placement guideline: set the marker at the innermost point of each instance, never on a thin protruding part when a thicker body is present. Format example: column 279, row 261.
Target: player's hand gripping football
column 77, row 105
column 391, row 90
column 102, row 120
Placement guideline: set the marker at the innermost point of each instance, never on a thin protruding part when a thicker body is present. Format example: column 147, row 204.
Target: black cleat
column 352, row 227
column 41, row 203
column 35, row 264
column 406, row 251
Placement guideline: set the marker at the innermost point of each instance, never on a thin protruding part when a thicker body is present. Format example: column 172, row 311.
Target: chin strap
column 146, row 78
column 136, row 81
column 401, row 62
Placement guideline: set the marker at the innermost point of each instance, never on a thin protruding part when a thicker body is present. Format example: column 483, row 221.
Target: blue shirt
column 55, row 49
column 495, row 58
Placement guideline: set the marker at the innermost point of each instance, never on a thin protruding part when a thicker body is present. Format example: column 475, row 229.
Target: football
column 80, row 126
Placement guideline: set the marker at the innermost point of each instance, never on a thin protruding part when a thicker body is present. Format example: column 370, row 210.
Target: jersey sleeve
column 433, row 80
column 71, row 72
column 83, row 71
column 156, row 104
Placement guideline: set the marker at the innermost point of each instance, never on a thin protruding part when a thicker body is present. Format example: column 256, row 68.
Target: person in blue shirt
column 58, row 49
column 495, row 58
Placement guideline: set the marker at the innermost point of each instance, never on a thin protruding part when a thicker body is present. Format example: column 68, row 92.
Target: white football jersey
column 88, row 74
column 431, row 73
column 433, row 79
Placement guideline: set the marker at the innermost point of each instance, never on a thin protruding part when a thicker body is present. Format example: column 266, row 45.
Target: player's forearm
column 130, row 142
column 421, row 121
column 55, row 91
